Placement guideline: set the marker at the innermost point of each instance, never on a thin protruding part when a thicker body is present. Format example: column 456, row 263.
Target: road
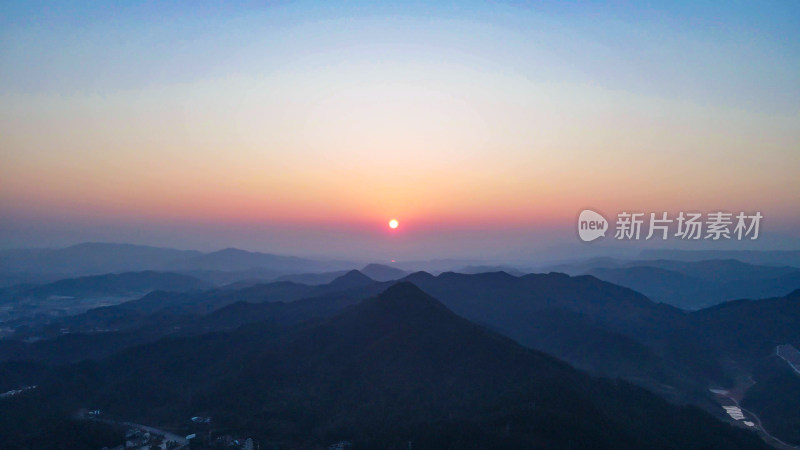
column 789, row 354
column 773, row 440
column 168, row 436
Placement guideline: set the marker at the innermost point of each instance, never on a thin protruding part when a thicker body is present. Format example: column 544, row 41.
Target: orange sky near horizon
column 101, row 156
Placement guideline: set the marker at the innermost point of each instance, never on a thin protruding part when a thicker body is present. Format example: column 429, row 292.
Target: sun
column 393, row 223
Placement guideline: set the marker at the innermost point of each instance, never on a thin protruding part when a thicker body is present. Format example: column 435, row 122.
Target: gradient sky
column 298, row 127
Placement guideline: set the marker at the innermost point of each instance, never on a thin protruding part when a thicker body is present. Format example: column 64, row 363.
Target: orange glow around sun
column 393, row 223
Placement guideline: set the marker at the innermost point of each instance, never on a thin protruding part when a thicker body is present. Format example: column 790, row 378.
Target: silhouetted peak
column 419, row 276
column 353, row 278
column 497, row 275
column 402, row 308
column 405, row 296
column 402, row 288
column 794, row 295
column 381, row 272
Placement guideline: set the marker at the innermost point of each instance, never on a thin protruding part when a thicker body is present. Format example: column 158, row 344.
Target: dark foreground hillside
column 396, row 368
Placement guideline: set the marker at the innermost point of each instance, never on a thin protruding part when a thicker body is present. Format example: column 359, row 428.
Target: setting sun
column 393, row 223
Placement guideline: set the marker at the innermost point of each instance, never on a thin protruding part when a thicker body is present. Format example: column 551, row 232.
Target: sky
column 484, row 128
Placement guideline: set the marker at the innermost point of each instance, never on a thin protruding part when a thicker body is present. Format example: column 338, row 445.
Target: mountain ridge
column 397, row 367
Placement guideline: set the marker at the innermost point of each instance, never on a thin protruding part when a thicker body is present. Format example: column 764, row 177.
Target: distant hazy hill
column 697, row 284
column 584, row 266
column 395, row 369
column 238, row 277
column 312, row 278
column 766, row 257
column 162, row 310
column 128, row 283
column 220, row 267
column 377, row 272
column 232, row 259
column 90, row 258
column 483, row 269
column 381, row 272
column 436, row 265
column 720, row 269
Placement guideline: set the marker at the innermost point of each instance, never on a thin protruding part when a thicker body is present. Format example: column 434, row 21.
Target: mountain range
column 37, row 265
column 107, row 285
column 692, row 284
column 595, row 325
column 395, row 370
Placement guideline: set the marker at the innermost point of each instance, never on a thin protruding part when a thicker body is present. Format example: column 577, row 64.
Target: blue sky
column 745, row 53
